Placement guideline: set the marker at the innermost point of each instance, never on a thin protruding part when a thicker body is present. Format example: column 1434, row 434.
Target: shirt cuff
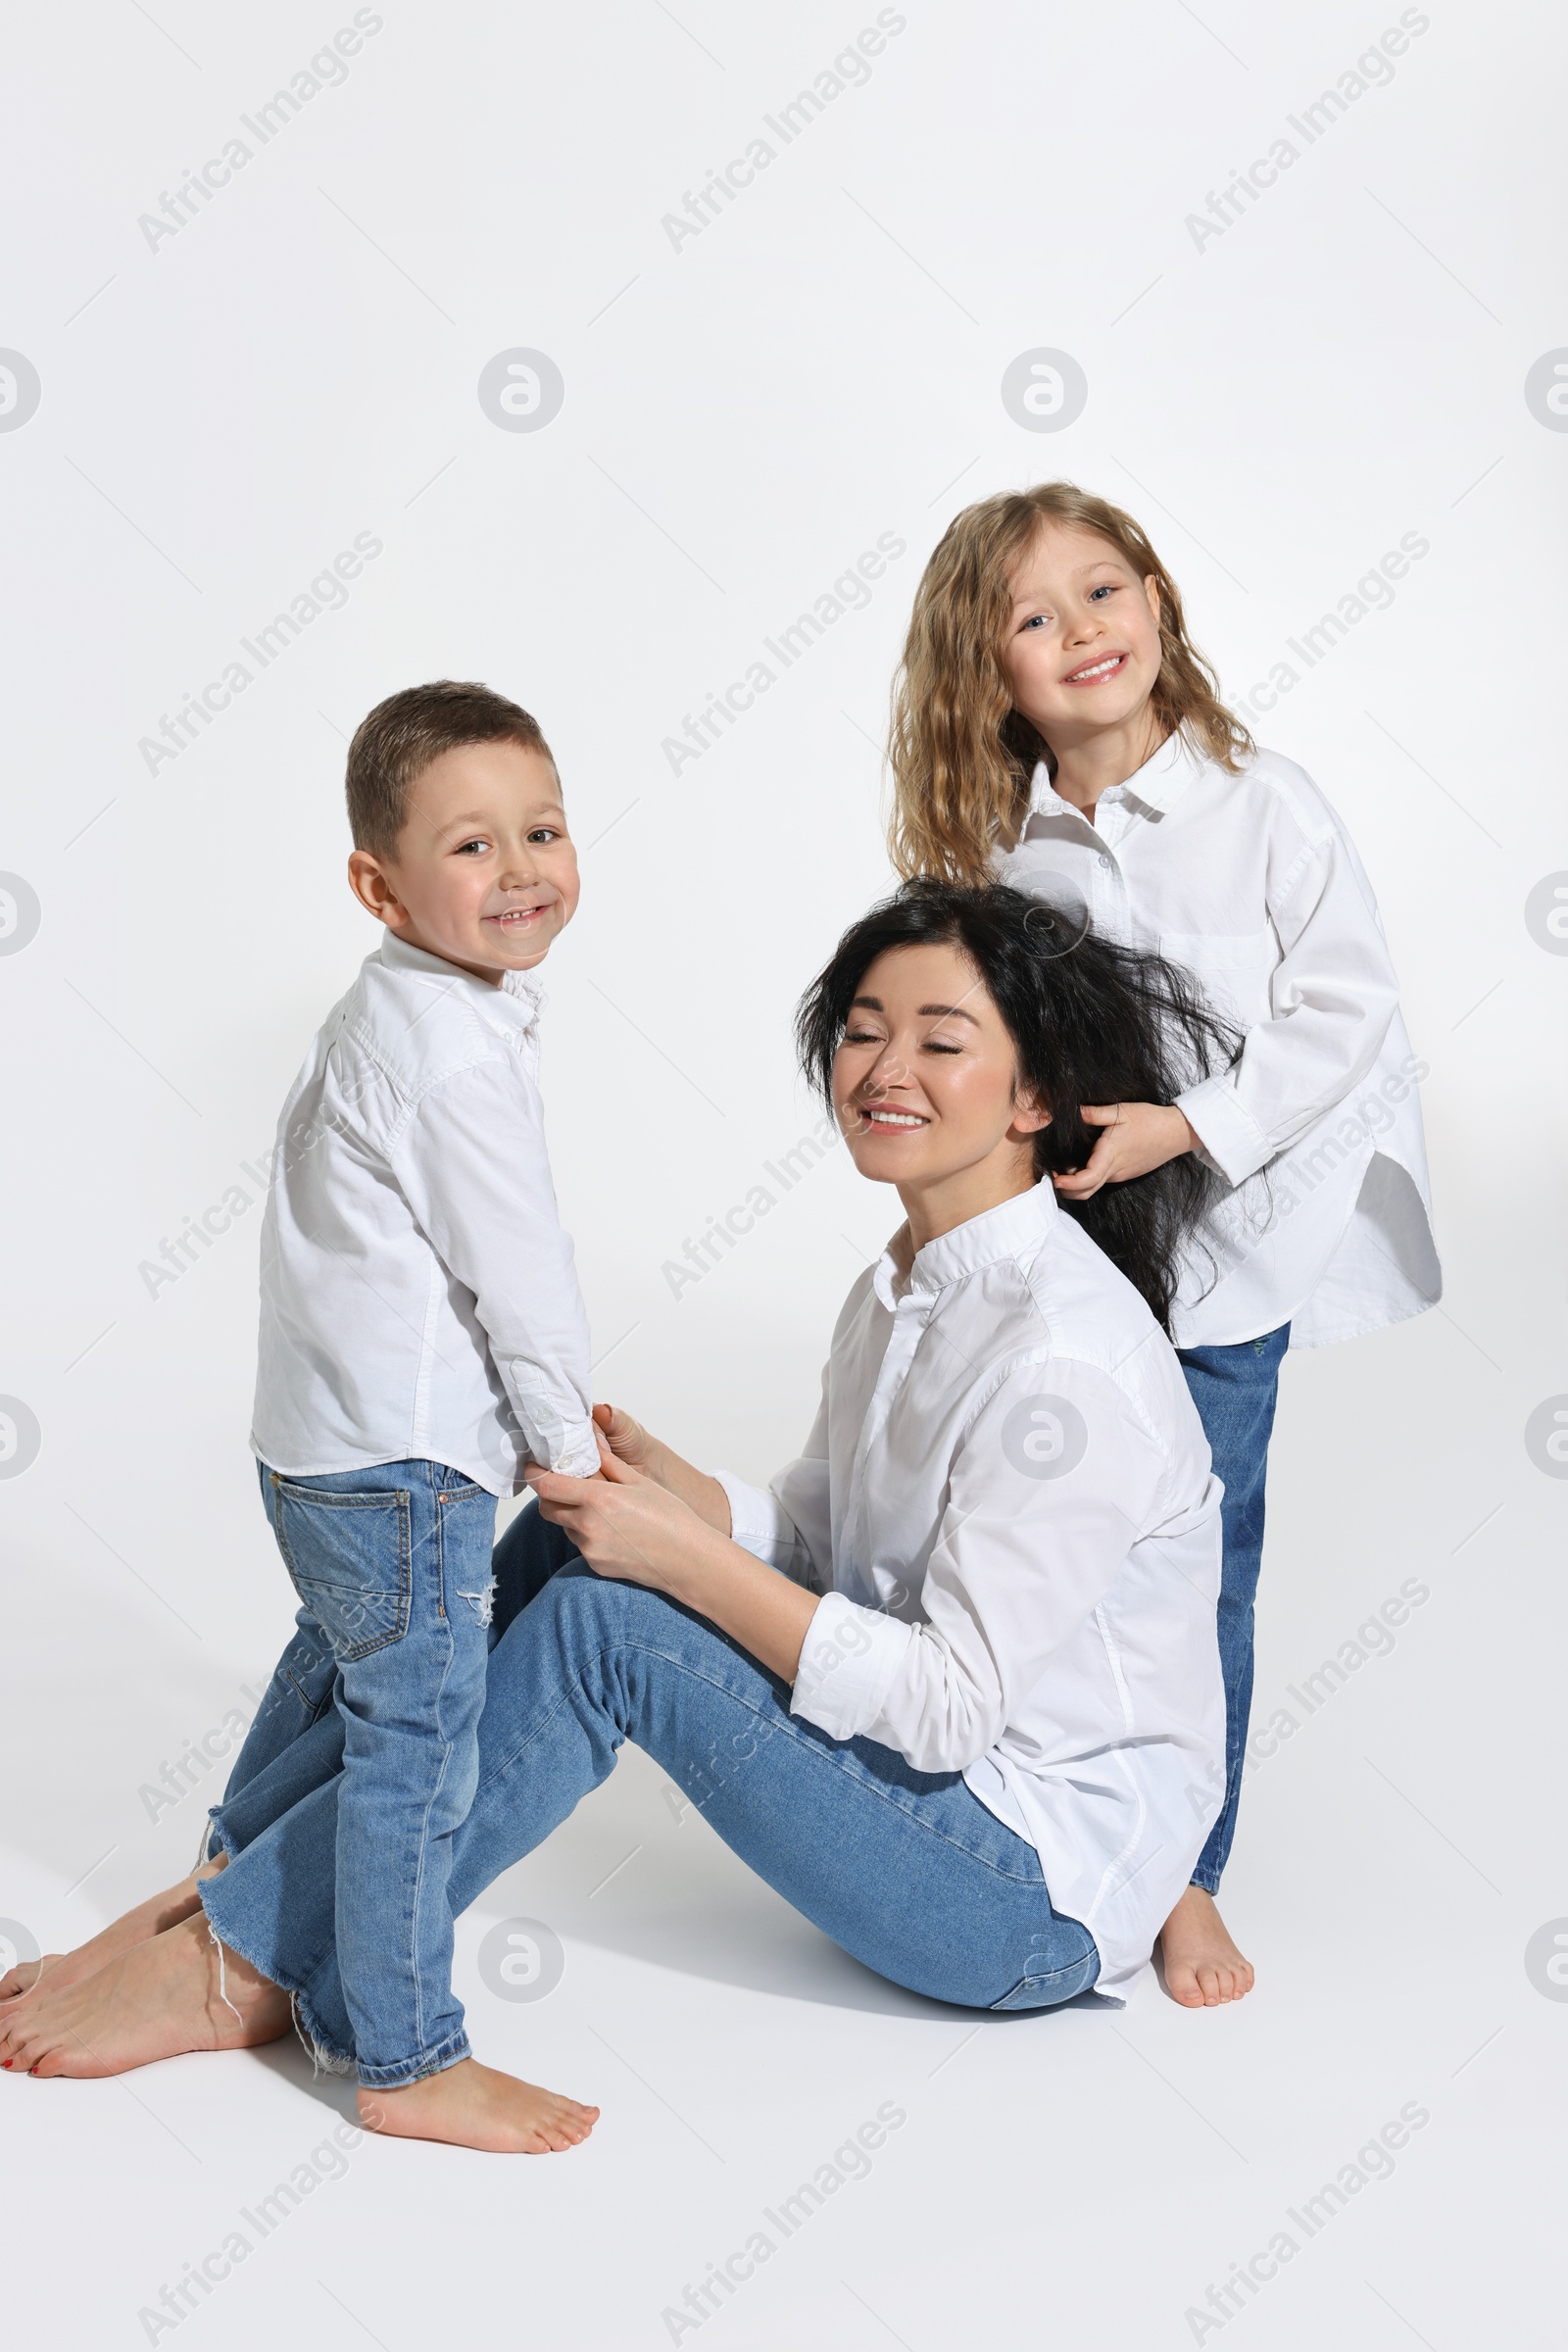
column 562, row 1437
column 847, row 1662
column 760, row 1524
column 577, row 1456
column 1229, row 1134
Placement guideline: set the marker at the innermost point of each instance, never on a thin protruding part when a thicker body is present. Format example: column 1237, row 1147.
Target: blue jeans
column 392, row 1565
column 905, row 1870
column 1234, row 1390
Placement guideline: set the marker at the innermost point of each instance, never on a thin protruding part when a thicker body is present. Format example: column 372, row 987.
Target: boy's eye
column 476, row 847
column 545, row 833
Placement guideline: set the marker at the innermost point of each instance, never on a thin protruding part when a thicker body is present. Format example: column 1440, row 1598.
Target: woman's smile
column 887, row 1121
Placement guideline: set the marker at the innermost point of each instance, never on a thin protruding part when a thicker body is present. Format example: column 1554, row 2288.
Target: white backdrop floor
column 1086, row 2177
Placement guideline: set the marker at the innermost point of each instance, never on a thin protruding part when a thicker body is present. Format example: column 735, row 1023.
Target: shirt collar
column 1155, row 784
column 524, row 989
column 1015, row 1228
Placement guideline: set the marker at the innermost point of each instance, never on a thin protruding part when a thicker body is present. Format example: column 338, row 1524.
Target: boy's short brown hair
column 401, row 737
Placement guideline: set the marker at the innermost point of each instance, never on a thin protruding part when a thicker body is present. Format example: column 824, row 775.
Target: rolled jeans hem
column 451, row 2052
column 322, row 2044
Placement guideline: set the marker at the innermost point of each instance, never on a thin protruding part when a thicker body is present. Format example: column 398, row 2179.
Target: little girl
column 1053, row 727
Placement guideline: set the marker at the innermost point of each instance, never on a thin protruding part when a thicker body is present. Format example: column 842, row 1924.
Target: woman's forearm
column 700, row 1493
column 753, row 1604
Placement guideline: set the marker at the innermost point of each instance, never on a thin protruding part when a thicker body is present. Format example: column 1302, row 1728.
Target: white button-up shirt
column 1007, row 1503
column 418, row 1296
column 1251, row 882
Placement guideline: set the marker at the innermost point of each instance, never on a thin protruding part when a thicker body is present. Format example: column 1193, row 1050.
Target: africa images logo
column 1045, row 1437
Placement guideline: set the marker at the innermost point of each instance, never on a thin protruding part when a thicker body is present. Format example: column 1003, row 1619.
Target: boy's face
column 484, row 873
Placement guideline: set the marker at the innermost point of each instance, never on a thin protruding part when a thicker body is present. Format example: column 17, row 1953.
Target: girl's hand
column 622, row 1523
column 1136, row 1136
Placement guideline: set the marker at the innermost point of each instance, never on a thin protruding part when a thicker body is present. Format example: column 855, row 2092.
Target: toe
column 1183, row 1986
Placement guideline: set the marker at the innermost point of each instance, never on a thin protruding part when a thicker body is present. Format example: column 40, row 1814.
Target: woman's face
column 924, row 1082
column 1082, row 651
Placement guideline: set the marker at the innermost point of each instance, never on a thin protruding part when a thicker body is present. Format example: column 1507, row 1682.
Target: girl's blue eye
column 1036, row 621
column 1107, row 589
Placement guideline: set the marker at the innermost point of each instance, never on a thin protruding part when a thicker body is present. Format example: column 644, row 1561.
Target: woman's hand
column 628, row 1526
column 632, row 1446
column 628, row 1441
column 1135, row 1137
column 623, row 1523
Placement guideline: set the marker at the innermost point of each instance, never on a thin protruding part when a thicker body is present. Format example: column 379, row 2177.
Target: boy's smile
column 484, row 873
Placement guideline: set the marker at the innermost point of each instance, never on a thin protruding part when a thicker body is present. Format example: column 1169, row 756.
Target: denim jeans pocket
column 349, row 1556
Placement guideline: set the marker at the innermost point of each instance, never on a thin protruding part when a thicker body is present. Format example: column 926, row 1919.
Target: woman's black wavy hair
column 1093, row 1021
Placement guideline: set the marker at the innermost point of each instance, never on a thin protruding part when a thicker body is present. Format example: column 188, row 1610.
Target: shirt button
column 1105, row 862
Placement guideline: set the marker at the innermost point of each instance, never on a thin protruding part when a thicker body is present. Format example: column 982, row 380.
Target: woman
column 951, row 1683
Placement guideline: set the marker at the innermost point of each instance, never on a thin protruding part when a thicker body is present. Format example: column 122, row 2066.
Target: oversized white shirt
column 1253, row 883
column 418, row 1296
column 1007, row 1504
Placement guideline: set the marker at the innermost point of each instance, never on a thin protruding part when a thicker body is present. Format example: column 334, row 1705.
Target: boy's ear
column 373, row 887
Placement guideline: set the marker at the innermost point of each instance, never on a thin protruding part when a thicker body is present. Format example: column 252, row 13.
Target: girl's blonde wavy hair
column 961, row 755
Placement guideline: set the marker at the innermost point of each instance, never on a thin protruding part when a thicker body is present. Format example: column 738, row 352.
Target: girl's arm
column 626, row 1525
column 1332, row 995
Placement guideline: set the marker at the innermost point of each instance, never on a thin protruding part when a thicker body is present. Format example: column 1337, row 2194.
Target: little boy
column 421, row 1336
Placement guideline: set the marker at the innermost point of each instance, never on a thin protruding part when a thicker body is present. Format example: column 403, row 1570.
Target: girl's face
column 925, row 1084
column 1082, row 651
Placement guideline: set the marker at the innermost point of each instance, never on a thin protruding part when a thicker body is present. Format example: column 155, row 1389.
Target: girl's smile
column 1096, row 673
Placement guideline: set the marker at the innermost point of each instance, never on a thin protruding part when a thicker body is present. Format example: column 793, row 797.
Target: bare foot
column 473, row 2106
column 1202, row 1967
column 158, row 1999
column 149, row 1919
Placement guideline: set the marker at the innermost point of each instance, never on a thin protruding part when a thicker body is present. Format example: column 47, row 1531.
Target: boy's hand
column 622, row 1523
column 1135, row 1138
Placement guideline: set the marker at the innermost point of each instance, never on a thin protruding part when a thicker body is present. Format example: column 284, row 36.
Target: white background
column 743, row 417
